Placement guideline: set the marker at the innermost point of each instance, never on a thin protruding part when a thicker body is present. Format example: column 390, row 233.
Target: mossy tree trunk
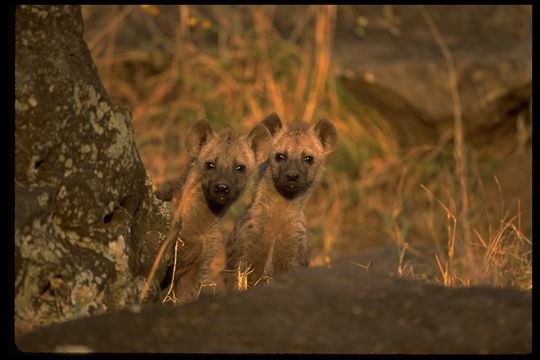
column 86, row 223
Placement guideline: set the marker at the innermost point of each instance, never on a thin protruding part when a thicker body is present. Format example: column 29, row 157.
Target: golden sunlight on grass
column 235, row 64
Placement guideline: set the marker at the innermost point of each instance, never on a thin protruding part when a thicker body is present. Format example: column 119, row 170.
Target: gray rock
column 398, row 68
column 83, row 203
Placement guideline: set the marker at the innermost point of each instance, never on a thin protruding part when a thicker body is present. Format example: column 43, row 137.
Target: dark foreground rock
column 86, row 223
column 343, row 309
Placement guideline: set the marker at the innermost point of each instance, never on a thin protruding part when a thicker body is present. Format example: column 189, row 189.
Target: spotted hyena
column 272, row 237
column 222, row 164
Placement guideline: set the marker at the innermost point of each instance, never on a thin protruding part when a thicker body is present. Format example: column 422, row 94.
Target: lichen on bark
column 86, row 221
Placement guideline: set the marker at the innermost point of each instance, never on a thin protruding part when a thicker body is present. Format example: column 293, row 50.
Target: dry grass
column 235, row 64
column 170, row 296
column 498, row 256
column 241, row 277
column 242, row 274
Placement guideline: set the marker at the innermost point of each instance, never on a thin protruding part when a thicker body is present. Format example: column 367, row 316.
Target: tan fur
column 201, row 228
column 272, row 236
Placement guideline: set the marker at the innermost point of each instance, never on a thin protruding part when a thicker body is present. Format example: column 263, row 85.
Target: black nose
column 292, row 176
column 221, row 189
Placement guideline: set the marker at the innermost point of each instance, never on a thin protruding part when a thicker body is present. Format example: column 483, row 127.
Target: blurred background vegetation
column 384, row 185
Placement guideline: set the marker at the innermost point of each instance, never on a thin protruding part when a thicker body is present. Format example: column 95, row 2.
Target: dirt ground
column 341, row 310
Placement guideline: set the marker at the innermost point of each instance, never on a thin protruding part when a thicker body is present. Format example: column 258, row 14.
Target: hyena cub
column 222, row 165
column 272, row 236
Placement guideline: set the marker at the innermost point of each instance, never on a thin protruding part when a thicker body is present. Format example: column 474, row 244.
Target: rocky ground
column 341, row 309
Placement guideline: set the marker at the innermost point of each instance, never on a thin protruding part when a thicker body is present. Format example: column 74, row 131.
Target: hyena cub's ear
column 327, row 134
column 260, row 141
column 272, row 123
column 198, row 134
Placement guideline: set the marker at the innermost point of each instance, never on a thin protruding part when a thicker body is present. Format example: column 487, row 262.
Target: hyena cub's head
column 225, row 160
column 298, row 153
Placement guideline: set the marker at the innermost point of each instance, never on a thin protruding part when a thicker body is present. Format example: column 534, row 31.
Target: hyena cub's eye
column 210, row 165
column 240, row 168
column 281, row 156
column 308, row 159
